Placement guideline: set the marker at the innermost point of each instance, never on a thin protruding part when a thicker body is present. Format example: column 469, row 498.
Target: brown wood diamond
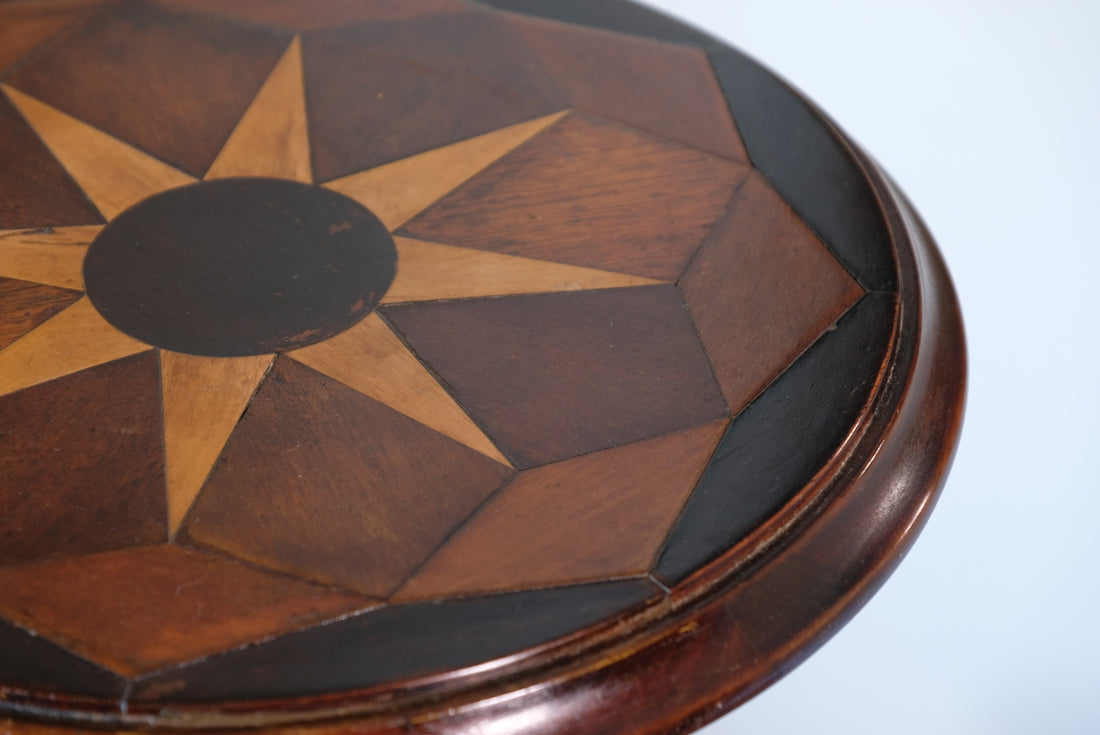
column 373, row 359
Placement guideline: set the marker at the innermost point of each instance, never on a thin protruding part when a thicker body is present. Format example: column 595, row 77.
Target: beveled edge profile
column 729, row 631
column 729, row 635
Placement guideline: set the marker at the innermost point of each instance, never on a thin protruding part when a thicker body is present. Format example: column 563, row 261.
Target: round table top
column 411, row 365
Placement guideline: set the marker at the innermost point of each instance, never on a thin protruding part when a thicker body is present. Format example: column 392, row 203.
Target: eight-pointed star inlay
column 577, row 237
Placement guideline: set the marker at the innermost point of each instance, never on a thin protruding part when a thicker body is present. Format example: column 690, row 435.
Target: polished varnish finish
column 433, row 366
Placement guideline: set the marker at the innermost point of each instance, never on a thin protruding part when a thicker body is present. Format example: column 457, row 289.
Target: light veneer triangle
column 114, row 175
column 271, row 139
column 370, row 358
column 204, row 398
column 75, row 339
column 434, row 272
column 398, row 191
column 52, row 257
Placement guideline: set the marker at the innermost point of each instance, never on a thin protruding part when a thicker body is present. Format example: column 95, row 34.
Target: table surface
column 493, row 369
column 956, row 85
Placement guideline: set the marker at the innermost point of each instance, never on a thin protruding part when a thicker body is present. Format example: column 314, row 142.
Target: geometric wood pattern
column 622, row 16
column 776, row 445
column 398, row 642
column 351, row 342
column 634, row 203
column 29, row 662
column 298, row 490
column 33, row 187
column 271, row 138
column 510, row 361
column 76, row 339
column 324, row 13
column 564, row 523
column 112, row 174
column 762, row 265
column 398, row 191
column 22, row 28
column 23, row 306
column 434, row 272
column 410, row 86
column 370, row 358
column 82, row 415
column 171, row 83
column 187, row 605
column 51, row 256
column 661, row 88
column 810, row 166
column 203, row 401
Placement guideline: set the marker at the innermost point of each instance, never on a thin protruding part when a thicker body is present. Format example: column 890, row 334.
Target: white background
column 988, row 115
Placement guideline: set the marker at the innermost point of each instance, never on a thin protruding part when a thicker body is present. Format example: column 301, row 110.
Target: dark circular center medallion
column 238, row 267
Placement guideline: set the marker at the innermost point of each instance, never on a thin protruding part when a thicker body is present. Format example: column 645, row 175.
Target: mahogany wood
column 601, row 72
column 761, row 264
column 319, row 14
column 113, row 175
column 600, row 195
column 428, row 82
column 271, row 139
column 180, row 605
column 567, row 520
column 801, row 156
column 23, row 306
column 366, row 524
column 194, row 80
column 82, row 453
column 398, row 191
column 33, row 186
column 511, row 362
column 656, row 381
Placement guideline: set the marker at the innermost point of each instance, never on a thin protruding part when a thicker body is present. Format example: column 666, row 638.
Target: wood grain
column 398, row 191
column 762, row 266
column 597, row 517
column 555, row 376
column 622, row 16
column 434, row 272
column 204, row 398
column 381, row 92
column 23, row 306
column 241, row 266
column 22, row 27
column 51, row 256
column 400, row 642
column 83, row 464
column 321, row 482
column 271, row 139
column 171, row 83
column 810, row 165
column 662, row 88
column 35, row 191
column 177, row 605
column 114, row 175
column 318, row 14
column 592, row 194
column 777, row 444
column 28, row 662
column 75, row 339
column 370, row 358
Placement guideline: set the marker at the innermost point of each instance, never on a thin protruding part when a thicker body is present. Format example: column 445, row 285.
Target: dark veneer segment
column 29, row 661
column 804, row 158
column 777, row 444
column 34, row 190
column 397, row 643
column 610, row 15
